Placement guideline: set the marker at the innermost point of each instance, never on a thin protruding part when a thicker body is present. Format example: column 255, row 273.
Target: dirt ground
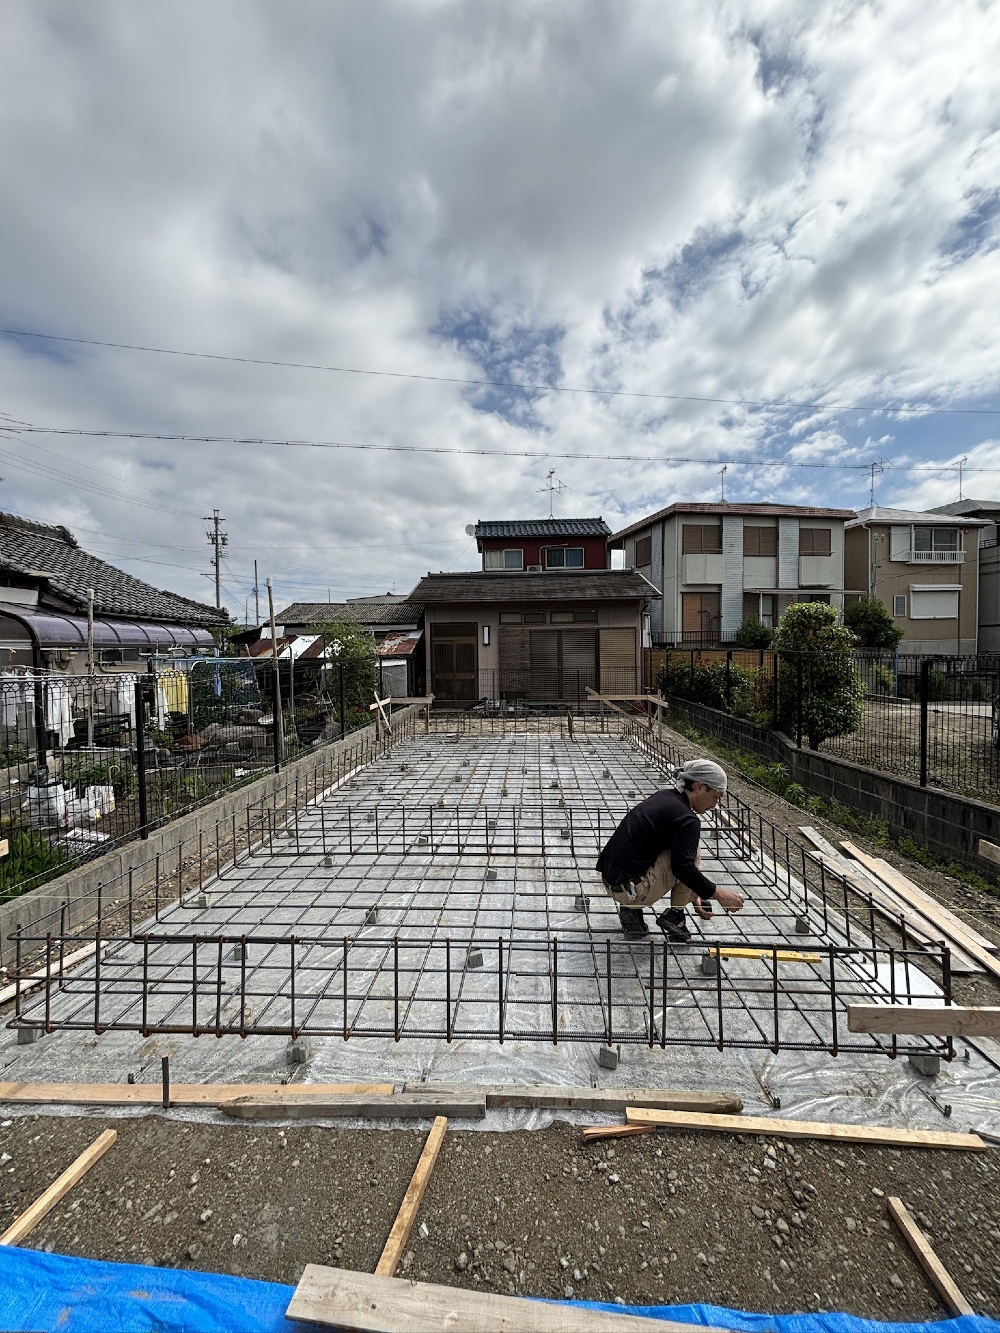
column 772, row 1226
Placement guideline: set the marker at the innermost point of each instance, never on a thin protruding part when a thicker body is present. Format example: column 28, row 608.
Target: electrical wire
column 884, row 464
column 504, row 384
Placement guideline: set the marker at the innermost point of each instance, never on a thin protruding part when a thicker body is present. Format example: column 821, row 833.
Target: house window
column 643, row 552
column 934, row 603
column 561, row 617
column 701, row 539
column 564, row 557
column 760, row 541
column 585, row 616
column 934, row 540
column 815, row 541
column 505, row 559
column 899, row 604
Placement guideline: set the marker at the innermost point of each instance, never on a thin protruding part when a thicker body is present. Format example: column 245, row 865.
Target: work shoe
column 633, row 922
column 674, row 925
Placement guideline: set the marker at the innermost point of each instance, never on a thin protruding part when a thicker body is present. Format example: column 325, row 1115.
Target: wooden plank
column 782, row 955
column 806, row 1129
column 46, row 1201
column 610, row 1100
column 960, row 931
column 920, row 1020
column 367, row 1303
column 392, row 1253
column 990, row 851
column 616, row 1131
column 403, row 1106
column 4, row 847
column 34, row 979
column 181, row 1094
column 939, row 1276
column 918, row 926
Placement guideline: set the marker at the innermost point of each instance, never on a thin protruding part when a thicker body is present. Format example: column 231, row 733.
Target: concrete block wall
column 71, row 902
column 946, row 824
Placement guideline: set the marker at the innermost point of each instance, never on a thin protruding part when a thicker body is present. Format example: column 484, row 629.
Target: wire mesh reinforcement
column 481, row 918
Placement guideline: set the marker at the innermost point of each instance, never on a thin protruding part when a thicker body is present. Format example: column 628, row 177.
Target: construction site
column 382, row 1019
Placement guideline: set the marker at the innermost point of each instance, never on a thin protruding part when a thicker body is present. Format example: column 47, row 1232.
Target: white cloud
column 786, row 201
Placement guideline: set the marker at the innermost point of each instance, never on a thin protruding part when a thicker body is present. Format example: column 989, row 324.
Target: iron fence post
column 140, row 756
column 774, row 689
column 798, row 700
column 276, row 713
column 729, row 680
column 925, row 685
column 343, row 710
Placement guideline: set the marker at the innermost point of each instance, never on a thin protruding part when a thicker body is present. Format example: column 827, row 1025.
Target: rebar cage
column 440, row 885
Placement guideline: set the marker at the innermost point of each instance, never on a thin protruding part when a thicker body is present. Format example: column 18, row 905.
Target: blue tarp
column 57, row 1294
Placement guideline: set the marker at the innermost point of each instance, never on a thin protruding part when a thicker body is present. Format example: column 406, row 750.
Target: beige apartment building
column 719, row 565
column 924, row 569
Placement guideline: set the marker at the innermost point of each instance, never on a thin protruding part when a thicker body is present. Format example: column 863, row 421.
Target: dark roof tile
column 566, row 585
column 542, row 527
column 365, row 613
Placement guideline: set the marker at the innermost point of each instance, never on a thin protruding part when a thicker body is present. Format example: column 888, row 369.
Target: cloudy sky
column 755, row 232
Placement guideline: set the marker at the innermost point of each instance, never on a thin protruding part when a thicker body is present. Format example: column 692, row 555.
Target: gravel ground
column 674, row 1218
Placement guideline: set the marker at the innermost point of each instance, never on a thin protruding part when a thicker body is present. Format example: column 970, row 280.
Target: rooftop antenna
column 722, row 474
column 876, row 470
column 553, row 487
column 961, row 468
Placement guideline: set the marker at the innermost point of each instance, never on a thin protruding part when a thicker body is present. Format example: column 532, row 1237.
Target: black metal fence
column 87, row 762
column 932, row 719
column 530, row 689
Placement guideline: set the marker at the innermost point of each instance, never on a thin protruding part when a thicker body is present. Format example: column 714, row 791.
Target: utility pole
column 256, row 596
column 219, row 541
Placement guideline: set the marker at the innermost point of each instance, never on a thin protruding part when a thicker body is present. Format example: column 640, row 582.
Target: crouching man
column 654, row 853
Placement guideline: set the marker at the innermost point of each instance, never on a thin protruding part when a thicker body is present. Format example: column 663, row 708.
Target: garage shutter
column 618, row 671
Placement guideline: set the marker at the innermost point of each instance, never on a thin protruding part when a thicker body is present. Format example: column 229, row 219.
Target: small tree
column 350, row 648
column 817, row 678
column 872, row 624
column 753, row 634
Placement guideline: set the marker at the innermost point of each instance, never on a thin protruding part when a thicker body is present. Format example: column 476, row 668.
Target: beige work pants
column 658, row 881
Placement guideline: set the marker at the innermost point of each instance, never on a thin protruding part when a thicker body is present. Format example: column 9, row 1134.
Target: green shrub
column 81, row 772
column 885, row 681
column 872, row 624
column 753, row 634
column 819, row 685
column 31, row 861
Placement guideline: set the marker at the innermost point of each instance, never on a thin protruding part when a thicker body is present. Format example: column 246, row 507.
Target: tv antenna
column 875, row 470
column 961, row 468
column 554, row 488
column 722, row 474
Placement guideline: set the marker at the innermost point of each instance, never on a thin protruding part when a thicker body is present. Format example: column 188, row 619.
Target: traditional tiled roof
column 365, row 613
column 567, row 585
column 52, row 556
column 746, row 510
column 542, row 527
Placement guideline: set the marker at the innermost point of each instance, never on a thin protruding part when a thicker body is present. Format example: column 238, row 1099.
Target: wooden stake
column 939, row 1276
column 45, row 1202
column 616, row 1131
column 412, row 1199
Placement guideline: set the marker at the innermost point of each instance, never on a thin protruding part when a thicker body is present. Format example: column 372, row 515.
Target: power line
column 505, row 384
column 487, row 453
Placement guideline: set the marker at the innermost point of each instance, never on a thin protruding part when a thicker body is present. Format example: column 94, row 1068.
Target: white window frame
column 499, row 560
column 563, row 551
column 899, row 611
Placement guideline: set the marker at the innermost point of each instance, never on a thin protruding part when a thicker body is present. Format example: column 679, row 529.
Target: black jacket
column 661, row 822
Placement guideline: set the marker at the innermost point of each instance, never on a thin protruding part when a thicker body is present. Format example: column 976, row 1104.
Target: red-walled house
column 539, row 544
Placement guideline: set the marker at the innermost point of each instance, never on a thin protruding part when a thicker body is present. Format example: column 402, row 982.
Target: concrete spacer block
column 504, row 791
column 929, row 1066
column 474, row 957
column 370, row 817
column 606, row 773
column 328, row 862
column 630, row 794
column 608, row 1056
column 491, row 823
column 25, row 1036
column 554, row 785
column 204, row 900
column 581, row 902
column 371, row 916
column 491, row 874
column 297, row 1052
column 802, row 926
column 422, row 841
column 709, row 964
column 564, row 833
column 239, row 950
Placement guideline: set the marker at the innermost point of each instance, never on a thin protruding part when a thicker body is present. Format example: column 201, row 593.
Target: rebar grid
column 346, row 923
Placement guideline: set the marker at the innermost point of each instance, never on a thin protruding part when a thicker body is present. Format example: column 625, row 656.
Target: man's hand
column 728, row 899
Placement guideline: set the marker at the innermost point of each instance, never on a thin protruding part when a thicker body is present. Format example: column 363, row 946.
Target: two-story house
column 989, row 565
column 719, row 565
column 539, row 544
column 924, row 569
